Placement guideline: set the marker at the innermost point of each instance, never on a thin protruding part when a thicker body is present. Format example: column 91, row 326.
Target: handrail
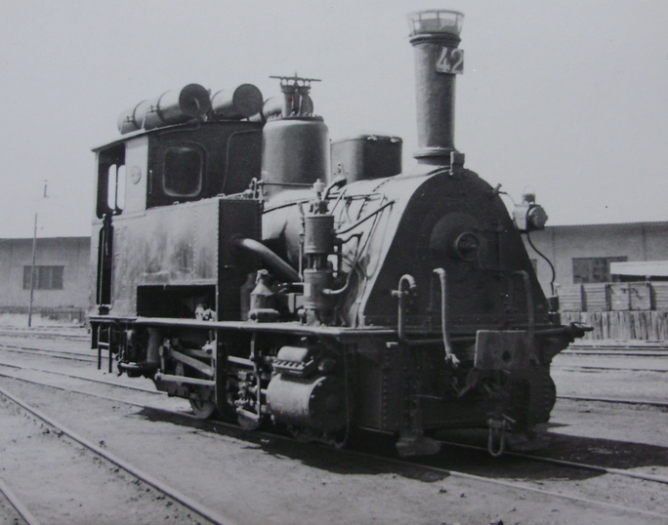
column 401, row 293
column 449, row 353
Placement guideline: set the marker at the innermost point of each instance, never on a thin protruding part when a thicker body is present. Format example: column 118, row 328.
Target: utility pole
column 32, row 267
column 32, row 273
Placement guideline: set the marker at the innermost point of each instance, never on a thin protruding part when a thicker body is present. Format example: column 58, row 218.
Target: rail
column 173, row 493
column 463, row 475
column 17, row 504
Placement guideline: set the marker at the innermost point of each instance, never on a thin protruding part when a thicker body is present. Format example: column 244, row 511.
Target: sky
column 568, row 99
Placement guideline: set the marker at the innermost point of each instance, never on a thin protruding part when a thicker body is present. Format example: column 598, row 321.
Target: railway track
column 620, row 401
column 576, row 368
column 93, row 394
column 208, row 514
column 58, row 354
column 217, row 426
column 221, row 426
column 617, row 401
column 566, row 463
column 87, row 356
column 617, row 353
column 78, row 356
column 543, row 492
column 83, row 378
column 45, row 333
column 16, row 503
column 635, row 402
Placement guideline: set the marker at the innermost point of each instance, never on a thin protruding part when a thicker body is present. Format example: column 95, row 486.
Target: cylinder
column 315, row 301
column 318, row 234
column 317, row 402
column 133, row 119
column 175, row 107
column 435, row 36
column 242, row 102
column 295, row 153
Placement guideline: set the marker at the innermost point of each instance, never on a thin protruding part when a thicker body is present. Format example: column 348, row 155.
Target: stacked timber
column 618, row 311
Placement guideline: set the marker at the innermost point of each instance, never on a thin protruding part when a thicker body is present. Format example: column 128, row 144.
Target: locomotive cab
column 181, row 149
column 176, row 165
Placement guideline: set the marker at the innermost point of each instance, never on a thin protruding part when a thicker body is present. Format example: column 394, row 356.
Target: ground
column 259, row 480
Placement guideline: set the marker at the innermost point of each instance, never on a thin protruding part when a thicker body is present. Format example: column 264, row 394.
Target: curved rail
column 82, row 378
column 660, row 404
column 566, row 463
column 515, row 486
column 84, row 393
column 512, row 485
column 16, row 503
column 173, row 493
column 413, row 464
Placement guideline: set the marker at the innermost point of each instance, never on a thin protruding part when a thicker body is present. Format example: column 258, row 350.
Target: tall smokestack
column 435, row 37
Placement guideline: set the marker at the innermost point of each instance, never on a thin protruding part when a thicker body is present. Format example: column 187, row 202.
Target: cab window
column 111, row 181
column 183, row 171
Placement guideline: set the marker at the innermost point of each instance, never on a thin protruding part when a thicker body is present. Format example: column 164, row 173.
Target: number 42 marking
column 451, row 61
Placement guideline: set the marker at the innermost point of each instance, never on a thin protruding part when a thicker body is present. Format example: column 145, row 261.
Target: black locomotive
column 240, row 268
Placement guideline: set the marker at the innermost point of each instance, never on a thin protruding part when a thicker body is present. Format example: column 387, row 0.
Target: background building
column 583, row 253
column 61, row 281
column 609, row 276
column 584, row 257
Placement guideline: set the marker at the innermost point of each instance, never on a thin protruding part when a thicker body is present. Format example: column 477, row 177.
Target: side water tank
column 295, row 153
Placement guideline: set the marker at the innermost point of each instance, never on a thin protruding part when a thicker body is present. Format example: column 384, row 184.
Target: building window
column 593, row 269
column 46, row 277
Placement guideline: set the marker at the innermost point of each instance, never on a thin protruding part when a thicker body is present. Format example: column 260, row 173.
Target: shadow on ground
column 605, row 453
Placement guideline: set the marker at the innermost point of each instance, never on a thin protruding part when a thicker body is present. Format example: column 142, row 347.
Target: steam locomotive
column 247, row 265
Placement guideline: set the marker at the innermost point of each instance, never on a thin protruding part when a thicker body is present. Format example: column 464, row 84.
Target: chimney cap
column 435, row 21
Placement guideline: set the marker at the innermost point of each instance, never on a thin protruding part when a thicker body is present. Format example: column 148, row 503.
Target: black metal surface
column 413, row 292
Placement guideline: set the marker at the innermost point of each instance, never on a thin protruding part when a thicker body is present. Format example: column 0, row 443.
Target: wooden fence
column 620, row 311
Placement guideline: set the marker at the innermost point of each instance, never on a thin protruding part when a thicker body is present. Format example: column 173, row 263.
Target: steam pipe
column 449, row 353
column 336, row 183
column 400, row 294
column 269, row 257
column 365, row 218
